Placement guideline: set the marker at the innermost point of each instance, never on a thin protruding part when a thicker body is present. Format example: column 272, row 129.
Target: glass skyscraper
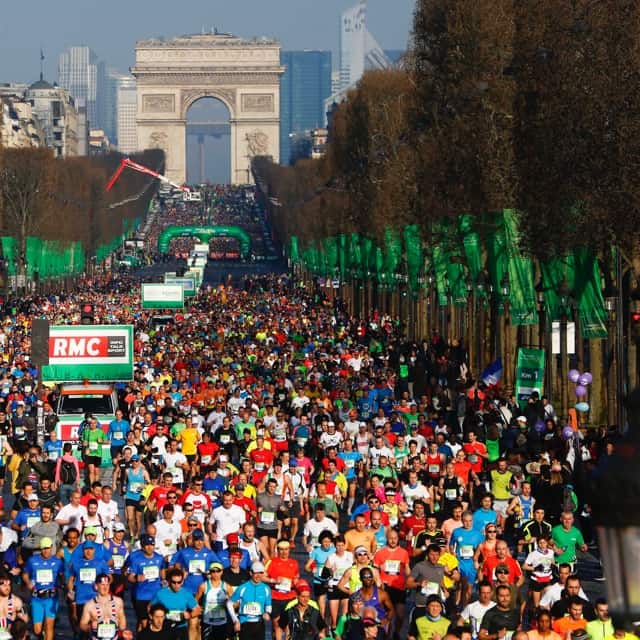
column 78, row 73
column 304, row 86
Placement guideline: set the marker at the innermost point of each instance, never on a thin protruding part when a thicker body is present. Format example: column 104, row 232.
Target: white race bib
column 87, row 575
column 466, row 552
column 44, row 576
column 151, row 572
column 268, row 517
column 118, row 435
column 196, row 566
column 252, row 609
column 284, row 585
column 107, row 630
column 392, row 567
column 31, row 520
column 118, row 562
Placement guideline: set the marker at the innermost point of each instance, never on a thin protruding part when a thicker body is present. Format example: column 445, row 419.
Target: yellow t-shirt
column 450, row 562
column 189, row 439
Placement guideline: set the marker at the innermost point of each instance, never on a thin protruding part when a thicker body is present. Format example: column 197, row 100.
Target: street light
column 616, row 510
column 505, row 290
column 564, row 294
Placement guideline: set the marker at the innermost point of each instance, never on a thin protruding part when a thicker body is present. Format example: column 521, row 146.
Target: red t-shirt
column 207, row 451
column 392, row 564
column 475, row 449
column 490, row 564
column 286, row 572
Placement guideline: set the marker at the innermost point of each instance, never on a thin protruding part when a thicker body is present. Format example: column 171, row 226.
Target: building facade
column 127, row 101
column 78, row 73
column 304, row 87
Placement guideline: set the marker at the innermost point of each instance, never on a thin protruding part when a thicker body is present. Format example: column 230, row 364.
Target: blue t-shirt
column 196, row 564
column 27, row 517
column 254, row 599
column 319, row 555
column 350, row 459
column 84, row 574
column 149, row 567
column 101, row 553
column 245, row 563
column 483, row 517
column 464, row 543
column 53, row 450
column 44, row 573
column 176, row 603
column 118, row 430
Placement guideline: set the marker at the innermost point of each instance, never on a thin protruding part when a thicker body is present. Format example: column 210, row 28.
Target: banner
column 188, row 284
column 89, row 352
column 162, row 296
column 529, row 373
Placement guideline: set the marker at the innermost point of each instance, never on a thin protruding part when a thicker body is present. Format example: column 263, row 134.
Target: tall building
column 304, row 87
column 78, row 73
column 358, row 48
column 127, row 101
column 108, row 83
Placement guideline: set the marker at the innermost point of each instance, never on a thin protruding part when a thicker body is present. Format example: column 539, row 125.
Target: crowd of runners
column 280, row 467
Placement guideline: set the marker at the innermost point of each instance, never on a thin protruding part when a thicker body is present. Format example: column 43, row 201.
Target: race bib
column 118, row 562
column 301, row 441
column 206, row 459
column 93, row 446
column 392, row 567
column 450, row 494
column 118, row 435
column 252, row 609
column 31, row 520
column 174, row 616
column 284, row 585
column 217, row 613
column 259, row 466
column 350, row 463
column 107, row 630
column 473, row 458
column 466, row 552
column 225, row 439
column 434, row 468
column 52, row 455
column 151, row 572
column 44, row 576
column 196, row 566
column 268, row 517
column 136, row 487
column 87, row 575
column 431, row 589
column 19, row 431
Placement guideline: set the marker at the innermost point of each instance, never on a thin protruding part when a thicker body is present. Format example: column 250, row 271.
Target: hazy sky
column 111, row 27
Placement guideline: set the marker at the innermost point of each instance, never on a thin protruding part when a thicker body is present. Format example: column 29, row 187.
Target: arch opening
column 208, row 142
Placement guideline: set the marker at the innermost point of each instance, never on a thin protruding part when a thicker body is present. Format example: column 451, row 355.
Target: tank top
column 450, row 486
column 213, row 605
column 374, row 601
column 433, row 465
column 107, row 627
column 340, row 565
column 5, row 623
column 525, row 505
column 135, row 484
column 355, row 583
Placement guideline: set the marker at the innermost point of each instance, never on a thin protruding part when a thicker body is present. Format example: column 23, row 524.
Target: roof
column 41, row 84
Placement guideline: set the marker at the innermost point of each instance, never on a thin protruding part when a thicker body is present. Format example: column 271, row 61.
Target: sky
column 111, row 27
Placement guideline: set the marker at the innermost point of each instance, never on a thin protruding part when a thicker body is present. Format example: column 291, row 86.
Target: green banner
column 471, row 244
column 162, row 296
column 359, row 271
column 588, row 291
column 413, row 251
column 529, row 373
column 294, row 253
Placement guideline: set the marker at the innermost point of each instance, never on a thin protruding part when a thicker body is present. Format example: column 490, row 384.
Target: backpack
column 68, row 473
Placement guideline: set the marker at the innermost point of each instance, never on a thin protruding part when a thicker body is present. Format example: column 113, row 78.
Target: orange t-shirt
column 392, row 564
column 355, row 538
column 285, row 572
column 563, row 625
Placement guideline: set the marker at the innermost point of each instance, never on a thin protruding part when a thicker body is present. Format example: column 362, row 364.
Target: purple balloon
column 582, row 380
column 567, row 432
column 587, row 377
column 581, row 391
column 539, row 426
column 574, row 374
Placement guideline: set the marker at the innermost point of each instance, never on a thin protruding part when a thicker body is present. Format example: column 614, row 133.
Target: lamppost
column 565, row 309
column 481, row 294
column 543, row 336
column 505, row 290
column 616, row 512
column 613, row 388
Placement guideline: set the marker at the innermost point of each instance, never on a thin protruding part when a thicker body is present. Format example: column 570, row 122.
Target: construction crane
column 126, row 163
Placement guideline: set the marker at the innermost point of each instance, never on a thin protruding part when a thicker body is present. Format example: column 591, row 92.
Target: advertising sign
column 188, row 284
column 162, row 296
column 529, row 373
column 89, row 352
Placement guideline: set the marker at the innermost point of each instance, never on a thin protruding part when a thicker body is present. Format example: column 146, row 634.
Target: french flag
column 492, row 374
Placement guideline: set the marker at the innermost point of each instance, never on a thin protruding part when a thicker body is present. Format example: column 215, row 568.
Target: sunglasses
column 362, row 553
column 191, row 524
column 176, row 582
column 491, row 531
column 502, row 571
column 216, row 570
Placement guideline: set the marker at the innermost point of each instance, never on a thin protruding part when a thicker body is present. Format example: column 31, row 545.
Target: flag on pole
column 492, row 374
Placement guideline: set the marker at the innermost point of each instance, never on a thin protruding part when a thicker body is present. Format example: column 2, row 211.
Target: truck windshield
column 86, row 403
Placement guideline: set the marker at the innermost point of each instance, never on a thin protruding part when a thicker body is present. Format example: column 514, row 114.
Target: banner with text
column 89, row 352
column 162, row 296
column 529, row 373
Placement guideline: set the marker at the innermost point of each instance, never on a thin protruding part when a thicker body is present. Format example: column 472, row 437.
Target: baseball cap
column 215, row 565
column 119, row 526
column 90, row 531
column 237, row 554
column 145, row 538
column 32, row 497
column 302, row 586
column 360, row 549
column 257, row 567
column 135, row 457
column 293, row 463
column 89, row 545
column 233, row 538
column 45, row 543
column 283, row 544
column 198, row 534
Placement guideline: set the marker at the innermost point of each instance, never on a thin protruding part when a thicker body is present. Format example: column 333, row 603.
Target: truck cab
column 76, row 400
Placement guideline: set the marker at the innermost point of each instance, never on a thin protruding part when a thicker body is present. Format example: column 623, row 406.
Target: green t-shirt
column 493, row 449
column 330, row 505
column 93, row 439
column 567, row 541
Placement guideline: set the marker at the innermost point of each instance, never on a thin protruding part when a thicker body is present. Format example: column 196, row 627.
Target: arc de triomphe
column 244, row 74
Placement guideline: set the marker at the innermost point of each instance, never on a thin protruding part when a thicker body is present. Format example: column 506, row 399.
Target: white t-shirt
column 339, row 564
column 167, row 531
column 313, row 529
column 416, row 493
column 173, row 462
column 473, row 614
column 108, row 511
column 73, row 514
column 375, row 453
column 227, row 521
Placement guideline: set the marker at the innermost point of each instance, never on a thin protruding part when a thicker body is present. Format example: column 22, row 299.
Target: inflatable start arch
column 204, row 234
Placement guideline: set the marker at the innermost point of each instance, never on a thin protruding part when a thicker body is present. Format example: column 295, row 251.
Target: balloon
column 581, row 391
column 587, row 377
column 583, row 380
column 582, row 406
column 539, row 426
column 567, row 432
column 574, row 374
